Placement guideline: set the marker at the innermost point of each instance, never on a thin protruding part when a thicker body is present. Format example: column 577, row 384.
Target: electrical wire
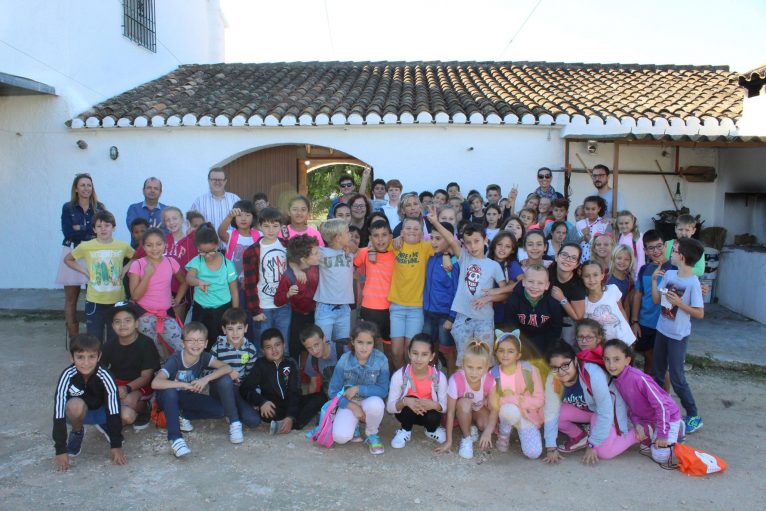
column 523, row 24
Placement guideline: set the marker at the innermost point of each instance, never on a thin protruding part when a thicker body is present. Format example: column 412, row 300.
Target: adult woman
column 410, row 207
column 567, row 287
column 76, row 224
column 360, row 214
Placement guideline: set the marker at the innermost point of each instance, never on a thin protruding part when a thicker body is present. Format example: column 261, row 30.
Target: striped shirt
column 215, row 209
column 98, row 391
column 240, row 359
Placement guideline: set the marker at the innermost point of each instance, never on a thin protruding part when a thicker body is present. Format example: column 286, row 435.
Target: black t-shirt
column 573, row 289
column 127, row 362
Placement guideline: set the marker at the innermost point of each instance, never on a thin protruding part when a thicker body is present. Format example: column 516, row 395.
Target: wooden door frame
column 303, row 170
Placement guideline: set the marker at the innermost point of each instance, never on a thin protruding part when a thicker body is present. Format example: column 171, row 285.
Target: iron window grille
column 139, row 23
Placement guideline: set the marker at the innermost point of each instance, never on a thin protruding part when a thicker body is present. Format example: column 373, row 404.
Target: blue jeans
column 334, row 320
column 278, row 318
column 433, row 325
column 248, row 415
column 198, row 406
column 669, row 355
column 96, row 320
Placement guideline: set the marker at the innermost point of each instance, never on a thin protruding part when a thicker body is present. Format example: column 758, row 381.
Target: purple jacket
column 647, row 402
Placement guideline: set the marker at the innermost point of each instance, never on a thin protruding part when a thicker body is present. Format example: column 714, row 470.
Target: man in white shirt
column 217, row 203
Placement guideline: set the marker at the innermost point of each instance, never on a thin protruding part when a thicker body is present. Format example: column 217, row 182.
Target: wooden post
column 615, row 178
column 567, row 169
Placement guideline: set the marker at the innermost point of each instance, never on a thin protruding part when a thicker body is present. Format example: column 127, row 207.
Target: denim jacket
column 372, row 377
column 71, row 215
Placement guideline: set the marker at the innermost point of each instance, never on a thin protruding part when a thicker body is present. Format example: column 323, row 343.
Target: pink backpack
column 461, row 384
column 322, row 434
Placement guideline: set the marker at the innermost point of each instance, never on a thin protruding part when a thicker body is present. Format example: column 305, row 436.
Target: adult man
column 544, row 177
column 600, row 176
column 150, row 208
column 348, row 189
column 217, row 203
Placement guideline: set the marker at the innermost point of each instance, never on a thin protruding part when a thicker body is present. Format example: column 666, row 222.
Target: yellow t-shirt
column 410, row 274
column 104, row 264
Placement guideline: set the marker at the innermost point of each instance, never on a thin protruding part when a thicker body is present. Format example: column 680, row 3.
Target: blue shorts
column 406, row 321
column 95, row 416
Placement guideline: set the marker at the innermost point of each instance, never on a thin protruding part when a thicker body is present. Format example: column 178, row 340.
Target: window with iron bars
column 138, row 23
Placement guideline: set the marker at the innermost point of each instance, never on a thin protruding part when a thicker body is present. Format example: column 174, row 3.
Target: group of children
column 286, row 317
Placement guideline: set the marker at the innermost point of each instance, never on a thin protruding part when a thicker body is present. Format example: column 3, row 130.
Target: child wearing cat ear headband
column 517, row 401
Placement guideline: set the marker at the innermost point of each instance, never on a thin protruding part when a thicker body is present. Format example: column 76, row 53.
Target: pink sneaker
column 575, row 444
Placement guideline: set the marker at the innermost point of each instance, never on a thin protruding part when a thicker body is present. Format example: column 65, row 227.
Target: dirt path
column 288, row 473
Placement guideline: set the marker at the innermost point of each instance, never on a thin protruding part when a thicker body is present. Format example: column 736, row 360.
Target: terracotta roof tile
column 503, row 89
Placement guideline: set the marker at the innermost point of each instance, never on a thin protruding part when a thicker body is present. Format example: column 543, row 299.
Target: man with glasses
column 217, row 203
column 544, row 178
column 600, row 177
column 348, row 189
column 150, row 208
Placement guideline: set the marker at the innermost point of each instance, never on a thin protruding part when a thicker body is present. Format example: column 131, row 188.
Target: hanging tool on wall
column 667, row 185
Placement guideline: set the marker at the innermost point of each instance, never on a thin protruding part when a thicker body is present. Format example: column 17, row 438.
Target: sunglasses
column 347, row 185
column 544, row 176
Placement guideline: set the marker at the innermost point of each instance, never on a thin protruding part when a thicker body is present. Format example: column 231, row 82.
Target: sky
column 699, row 32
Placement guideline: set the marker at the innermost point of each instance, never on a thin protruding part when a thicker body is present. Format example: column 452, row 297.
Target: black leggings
column 211, row 318
column 408, row 418
column 309, row 407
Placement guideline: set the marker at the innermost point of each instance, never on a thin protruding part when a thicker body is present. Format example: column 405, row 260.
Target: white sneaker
column 440, row 435
column 401, row 438
column 180, row 449
column 466, row 448
column 235, row 433
column 474, row 433
column 186, row 425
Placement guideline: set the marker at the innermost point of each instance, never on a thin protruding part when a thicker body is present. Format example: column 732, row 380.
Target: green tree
column 323, row 185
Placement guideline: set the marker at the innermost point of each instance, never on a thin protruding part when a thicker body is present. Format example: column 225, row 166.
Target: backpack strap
column 233, row 239
column 526, row 371
column 405, row 379
column 495, row 372
column 460, row 385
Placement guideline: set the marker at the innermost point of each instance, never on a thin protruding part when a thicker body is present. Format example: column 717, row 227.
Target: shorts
column 406, row 321
column 646, row 341
column 95, row 416
column 433, row 325
column 381, row 318
column 146, row 392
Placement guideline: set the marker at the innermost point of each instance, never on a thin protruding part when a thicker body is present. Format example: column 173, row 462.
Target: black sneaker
column 74, row 442
column 142, row 421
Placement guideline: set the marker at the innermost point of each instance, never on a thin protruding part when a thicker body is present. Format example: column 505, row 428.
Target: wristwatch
column 563, row 301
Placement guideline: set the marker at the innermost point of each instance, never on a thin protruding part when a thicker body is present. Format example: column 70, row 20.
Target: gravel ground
column 287, row 472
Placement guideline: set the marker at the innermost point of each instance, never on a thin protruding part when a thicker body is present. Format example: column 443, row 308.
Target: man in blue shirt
column 151, row 208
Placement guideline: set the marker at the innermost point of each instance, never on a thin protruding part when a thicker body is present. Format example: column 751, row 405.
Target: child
column 535, row 247
column 237, row 231
column 621, row 268
column 303, row 253
column 630, row 236
column 577, row 393
column 342, row 211
column 215, row 278
column 86, row 394
column 376, row 263
column 644, row 312
column 475, row 315
column 558, row 236
column 195, row 220
column 544, row 214
column 603, row 303
column 322, row 358
column 137, row 229
column 104, row 257
column 686, row 226
column 448, row 214
column 438, row 295
column 406, row 293
column 601, row 248
column 391, row 208
column 594, row 208
column 518, row 397
column 476, row 204
column 680, row 296
column 234, row 350
column 299, row 209
column 378, row 195
column 567, row 287
column 417, row 394
column 335, row 292
column 150, row 286
column 492, row 217
column 515, row 226
column 180, row 384
column 533, row 310
column 528, row 217
column 560, row 211
column 181, row 248
column 579, row 213
column 468, row 394
column 132, row 360
column 503, row 250
column 651, row 410
column 260, row 201
column 441, row 198
column 274, row 387
column 532, row 202
column 457, row 206
column 363, row 373
column 264, row 263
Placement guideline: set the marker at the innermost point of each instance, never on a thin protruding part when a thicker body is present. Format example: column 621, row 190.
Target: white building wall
column 423, row 157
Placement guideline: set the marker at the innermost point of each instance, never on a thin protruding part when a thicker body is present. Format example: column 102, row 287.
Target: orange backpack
column 158, row 416
column 694, row 462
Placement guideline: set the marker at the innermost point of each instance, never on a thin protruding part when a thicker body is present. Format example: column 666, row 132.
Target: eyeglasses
column 544, row 176
column 209, row 252
column 562, row 368
column 567, row 257
column 584, row 338
column 347, row 185
column 196, row 341
column 655, row 248
column 595, row 176
column 358, row 206
column 216, row 180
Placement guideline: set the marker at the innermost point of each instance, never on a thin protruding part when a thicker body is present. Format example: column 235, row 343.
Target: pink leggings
column 345, row 422
column 614, row 445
